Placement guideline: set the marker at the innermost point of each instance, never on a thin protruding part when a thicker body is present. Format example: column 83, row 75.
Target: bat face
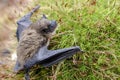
column 50, row 27
column 45, row 26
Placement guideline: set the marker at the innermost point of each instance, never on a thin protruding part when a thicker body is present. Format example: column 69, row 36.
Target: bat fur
column 33, row 38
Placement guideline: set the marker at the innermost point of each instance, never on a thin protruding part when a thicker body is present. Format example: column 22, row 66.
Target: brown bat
column 33, row 42
column 34, row 37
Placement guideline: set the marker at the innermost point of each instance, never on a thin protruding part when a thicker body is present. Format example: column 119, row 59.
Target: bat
column 41, row 55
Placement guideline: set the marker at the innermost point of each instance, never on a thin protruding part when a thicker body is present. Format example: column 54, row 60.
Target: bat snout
column 53, row 25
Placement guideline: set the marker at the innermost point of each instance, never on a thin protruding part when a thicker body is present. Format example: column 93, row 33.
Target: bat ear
column 44, row 16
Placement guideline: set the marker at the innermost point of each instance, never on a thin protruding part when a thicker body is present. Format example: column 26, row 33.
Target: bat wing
column 24, row 22
column 56, row 56
column 48, row 58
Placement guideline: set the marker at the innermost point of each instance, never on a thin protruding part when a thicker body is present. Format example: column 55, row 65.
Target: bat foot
column 27, row 76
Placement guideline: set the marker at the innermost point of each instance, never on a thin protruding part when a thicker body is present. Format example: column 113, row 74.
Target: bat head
column 45, row 27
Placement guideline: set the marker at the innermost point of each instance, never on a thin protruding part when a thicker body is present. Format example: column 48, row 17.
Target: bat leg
column 29, row 63
column 27, row 76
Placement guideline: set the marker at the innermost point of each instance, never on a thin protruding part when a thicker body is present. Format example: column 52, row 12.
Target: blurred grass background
column 94, row 25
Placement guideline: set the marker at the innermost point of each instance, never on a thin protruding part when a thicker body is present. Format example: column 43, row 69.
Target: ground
column 94, row 25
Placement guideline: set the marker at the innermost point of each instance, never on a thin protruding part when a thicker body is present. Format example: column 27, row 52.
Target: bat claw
column 35, row 9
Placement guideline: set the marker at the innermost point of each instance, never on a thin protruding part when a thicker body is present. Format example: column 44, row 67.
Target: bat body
column 34, row 37
column 33, row 40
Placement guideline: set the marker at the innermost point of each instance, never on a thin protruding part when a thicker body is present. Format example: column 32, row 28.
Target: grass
column 94, row 25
